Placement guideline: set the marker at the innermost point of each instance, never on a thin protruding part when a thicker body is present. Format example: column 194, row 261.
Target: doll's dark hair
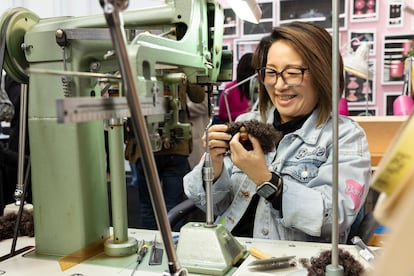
column 316, row 265
column 8, row 223
column 267, row 135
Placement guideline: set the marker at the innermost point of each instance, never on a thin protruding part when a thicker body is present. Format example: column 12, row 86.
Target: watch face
column 266, row 190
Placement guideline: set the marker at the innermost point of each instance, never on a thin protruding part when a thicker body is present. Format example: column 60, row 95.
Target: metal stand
column 224, row 251
column 112, row 15
column 120, row 244
column 208, row 250
column 334, row 268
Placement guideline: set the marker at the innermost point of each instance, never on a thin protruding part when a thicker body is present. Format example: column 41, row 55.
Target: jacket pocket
column 302, row 171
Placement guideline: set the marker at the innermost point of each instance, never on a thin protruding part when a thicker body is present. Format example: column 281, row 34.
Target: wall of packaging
column 386, row 25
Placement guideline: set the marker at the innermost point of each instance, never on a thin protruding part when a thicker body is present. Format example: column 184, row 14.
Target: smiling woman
column 293, row 96
column 295, row 68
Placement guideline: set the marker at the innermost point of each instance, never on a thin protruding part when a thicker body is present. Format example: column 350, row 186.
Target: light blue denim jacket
column 304, row 161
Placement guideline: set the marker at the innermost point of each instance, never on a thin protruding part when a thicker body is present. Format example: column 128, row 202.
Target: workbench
column 28, row 263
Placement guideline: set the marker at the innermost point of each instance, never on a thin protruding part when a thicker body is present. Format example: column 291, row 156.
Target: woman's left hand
column 251, row 162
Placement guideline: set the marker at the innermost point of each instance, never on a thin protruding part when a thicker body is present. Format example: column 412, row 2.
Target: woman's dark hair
column 244, row 70
column 314, row 44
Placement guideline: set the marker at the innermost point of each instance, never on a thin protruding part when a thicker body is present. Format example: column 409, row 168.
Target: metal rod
column 71, row 73
column 117, row 169
column 20, row 212
column 18, row 193
column 335, row 268
column 366, row 83
column 230, row 88
column 208, row 173
column 114, row 22
column 335, row 74
column 208, row 177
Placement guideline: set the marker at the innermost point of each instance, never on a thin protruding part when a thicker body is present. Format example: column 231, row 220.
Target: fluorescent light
column 247, row 10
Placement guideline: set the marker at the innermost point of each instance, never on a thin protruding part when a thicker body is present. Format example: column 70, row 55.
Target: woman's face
column 290, row 101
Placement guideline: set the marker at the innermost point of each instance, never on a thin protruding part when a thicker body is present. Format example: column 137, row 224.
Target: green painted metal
column 68, row 160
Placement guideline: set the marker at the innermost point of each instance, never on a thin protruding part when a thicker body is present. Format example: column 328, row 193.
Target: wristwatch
column 271, row 189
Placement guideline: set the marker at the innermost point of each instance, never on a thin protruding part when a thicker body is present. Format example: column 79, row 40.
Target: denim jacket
column 304, row 161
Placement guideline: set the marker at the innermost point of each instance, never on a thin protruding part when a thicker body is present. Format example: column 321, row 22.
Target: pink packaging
column 403, row 105
column 343, row 107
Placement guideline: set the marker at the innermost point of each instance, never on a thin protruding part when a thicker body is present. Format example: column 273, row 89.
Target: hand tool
column 156, row 253
column 142, row 251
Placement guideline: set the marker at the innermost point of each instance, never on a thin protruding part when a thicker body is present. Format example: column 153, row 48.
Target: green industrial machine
column 62, row 60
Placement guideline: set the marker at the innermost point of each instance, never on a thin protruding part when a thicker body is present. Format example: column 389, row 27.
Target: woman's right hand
column 218, row 145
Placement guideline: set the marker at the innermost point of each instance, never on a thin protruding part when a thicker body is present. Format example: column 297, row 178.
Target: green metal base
column 116, row 249
column 332, row 270
column 208, row 250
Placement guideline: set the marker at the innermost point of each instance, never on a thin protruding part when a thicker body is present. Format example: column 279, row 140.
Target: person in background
column 13, row 89
column 239, row 97
column 286, row 193
column 10, row 153
column 6, row 106
column 6, row 115
column 172, row 163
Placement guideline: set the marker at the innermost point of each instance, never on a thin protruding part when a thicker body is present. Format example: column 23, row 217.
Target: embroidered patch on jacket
column 305, row 152
column 355, row 190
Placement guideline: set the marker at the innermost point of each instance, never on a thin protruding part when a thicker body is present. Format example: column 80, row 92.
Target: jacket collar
column 308, row 133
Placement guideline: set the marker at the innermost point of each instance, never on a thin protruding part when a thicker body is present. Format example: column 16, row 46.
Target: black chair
column 365, row 224
column 367, row 227
column 181, row 212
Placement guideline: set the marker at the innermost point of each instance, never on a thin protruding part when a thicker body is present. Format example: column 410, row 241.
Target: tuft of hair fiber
column 316, row 265
column 267, row 135
column 8, row 223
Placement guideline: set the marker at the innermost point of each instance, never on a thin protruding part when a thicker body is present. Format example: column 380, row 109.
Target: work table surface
column 27, row 263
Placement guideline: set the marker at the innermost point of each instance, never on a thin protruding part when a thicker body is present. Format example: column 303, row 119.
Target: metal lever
column 208, row 177
column 113, row 19
column 18, row 193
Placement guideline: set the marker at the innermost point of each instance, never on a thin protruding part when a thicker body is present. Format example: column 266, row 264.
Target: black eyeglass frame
column 261, row 70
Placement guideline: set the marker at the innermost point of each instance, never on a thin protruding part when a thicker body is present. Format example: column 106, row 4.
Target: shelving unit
column 266, row 23
column 394, row 53
column 383, row 23
column 319, row 12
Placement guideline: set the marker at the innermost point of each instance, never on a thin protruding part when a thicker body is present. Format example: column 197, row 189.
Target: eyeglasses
column 292, row 76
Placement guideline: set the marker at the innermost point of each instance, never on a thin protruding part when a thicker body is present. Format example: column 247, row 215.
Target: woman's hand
column 218, row 145
column 251, row 162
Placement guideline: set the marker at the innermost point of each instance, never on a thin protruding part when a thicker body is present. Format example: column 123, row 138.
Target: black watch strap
column 274, row 179
column 274, row 198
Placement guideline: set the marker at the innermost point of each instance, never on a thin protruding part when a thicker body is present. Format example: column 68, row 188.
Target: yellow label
column 398, row 162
